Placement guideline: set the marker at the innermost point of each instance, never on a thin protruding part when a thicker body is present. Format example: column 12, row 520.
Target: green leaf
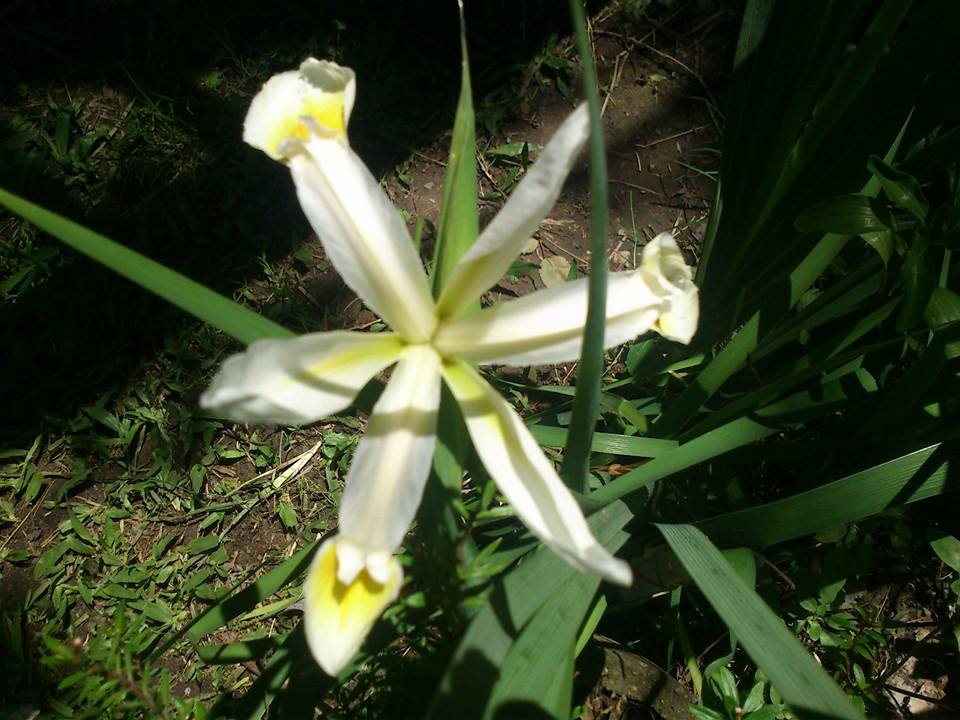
column 843, row 215
column 882, row 242
column 606, row 442
column 947, row 548
column 288, row 515
column 237, row 321
column 576, row 458
column 236, row 652
column 705, row 713
column 536, row 674
column 902, row 188
column 805, row 686
column 241, row 601
column 919, row 278
column 203, row 544
column 471, row 673
column 459, row 224
column 725, row 686
column 943, row 309
column 907, row 479
column 754, row 700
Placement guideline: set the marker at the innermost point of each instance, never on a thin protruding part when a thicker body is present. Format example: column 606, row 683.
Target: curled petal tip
column 292, row 105
column 668, row 275
column 337, row 616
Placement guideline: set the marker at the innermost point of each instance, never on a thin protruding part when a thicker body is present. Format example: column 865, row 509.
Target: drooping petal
column 319, row 89
column 364, row 235
column 547, row 326
column 301, row 379
column 667, row 274
column 525, row 477
column 391, row 464
column 338, row 616
column 500, row 242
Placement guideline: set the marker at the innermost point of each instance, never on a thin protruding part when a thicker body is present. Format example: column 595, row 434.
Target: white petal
column 667, row 274
column 500, row 242
column 338, row 616
column 300, row 380
column 526, row 478
column 319, row 89
column 364, row 236
column 547, row 326
column 392, row 462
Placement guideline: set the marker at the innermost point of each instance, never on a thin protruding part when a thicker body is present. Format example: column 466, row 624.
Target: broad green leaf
column 907, row 479
column 542, row 655
column 237, row 321
column 756, row 15
column 801, row 681
column 943, row 310
column 843, row 215
column 576, row 459
column 919, row 279
column 511, row 604
column 882, row 242
column 902, row 188
column 459, row 225
column 942, row 314
column 947, row 548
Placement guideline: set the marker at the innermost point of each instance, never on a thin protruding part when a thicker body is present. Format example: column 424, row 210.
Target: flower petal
column 547, row 326
column 299, row 380
column 319, row 89
column 364, row 235
column 526, row 478
column 667, row 273
column 490, row 256
column 338, row 616
column 392, row 462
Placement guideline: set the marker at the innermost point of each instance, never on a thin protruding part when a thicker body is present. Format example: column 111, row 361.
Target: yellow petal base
column 319, row 92
column 338, row 616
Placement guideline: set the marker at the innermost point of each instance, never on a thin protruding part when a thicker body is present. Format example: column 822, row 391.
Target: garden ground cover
column 125, row 510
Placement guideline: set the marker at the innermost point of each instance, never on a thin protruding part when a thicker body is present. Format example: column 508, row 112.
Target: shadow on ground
column 180, row 186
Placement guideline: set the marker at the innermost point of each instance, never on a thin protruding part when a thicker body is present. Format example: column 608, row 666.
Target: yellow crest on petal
column 318, row 97
column 338, row 615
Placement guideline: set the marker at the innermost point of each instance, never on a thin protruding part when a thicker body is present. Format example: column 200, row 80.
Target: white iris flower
column 300, row 118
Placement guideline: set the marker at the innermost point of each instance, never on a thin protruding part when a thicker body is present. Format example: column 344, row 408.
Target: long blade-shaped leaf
column 576, row 459
column 537, row 673
column 237, row 321
column 734, row 355
column 458, row 214
column 458, row 229
column 913, row 477
column 803, row 683
column 473, row 669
